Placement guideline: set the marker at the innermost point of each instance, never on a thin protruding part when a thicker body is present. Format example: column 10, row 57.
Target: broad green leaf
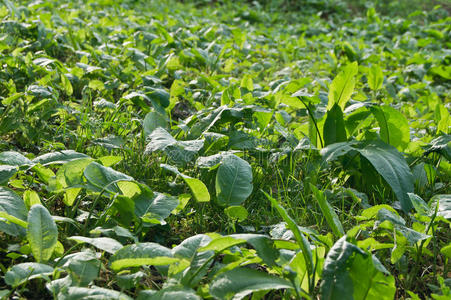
column 394, row 127
column 300, row 238
column 94, row 292
column 262, row 244
column 387, row 161
column 12, row 219
column 42, row 233
column 392, row 166
column 342, row 86
column 24, row 272
column 6, row 172
column 103, row 243
column 334, row 130
column 329, row 213
column 444, row 205
column 31, row 198
column 375, row 77
column 189, row 250
column 137, row 255
column 83, row 267
column 369, row 282
column 233, row 181
column 238, row 213
column 444, row 119
column 196, row 186
column 222, row 243
column 13, row 205
column 441, row 144
column 153, row 207
column 169, row 293
column 178, row 151
column 247, row 83
column 104, row 178
column 60, row 157
column 152, row 121
column 419, row 204
column 446, row 251
column 240, row 282
column 12, row 158
column 67, row 86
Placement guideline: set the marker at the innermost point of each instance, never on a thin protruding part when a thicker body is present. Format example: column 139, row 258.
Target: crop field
column 270, row 149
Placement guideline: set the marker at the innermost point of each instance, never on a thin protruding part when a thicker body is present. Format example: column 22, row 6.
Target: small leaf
column 42, row 233
column 238, row 213
column 240, row 282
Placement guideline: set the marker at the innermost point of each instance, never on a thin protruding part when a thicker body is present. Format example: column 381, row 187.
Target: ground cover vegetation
column 224, row 150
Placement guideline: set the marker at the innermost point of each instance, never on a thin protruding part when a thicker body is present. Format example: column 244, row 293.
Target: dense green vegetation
column 225, row 150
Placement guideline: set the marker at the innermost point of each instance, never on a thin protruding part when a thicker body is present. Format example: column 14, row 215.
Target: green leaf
column 178, row 151
column 60, row 157
column 446, row 251
column 342, row 86
column 6, row 172
column 222, row 243
column 444, row 205
column 31, row 198
column 152, row 121
column 334, row 130
column 233, row 181
column 392, row 166
column 12, row 158
column 83, row 267
column 24, row 272
column 375, row 77
column 337, row 282
column 13, row 205
column 441, row 144
column 238, row 213
column 169, row 293
column 300, row 238
column 103, row 243
column 196, row 186
column 153, row 207
column 394, row 127
column 104, row 178
column 189, row 250
column 387, row 161
column 42, row 233
column 240, row 282
column 137, row 255
column 94, row 292
column 247, row 83
column 262, row 244
column 328, row 212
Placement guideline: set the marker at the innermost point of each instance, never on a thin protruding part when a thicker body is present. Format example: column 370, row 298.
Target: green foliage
column 138, row 138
